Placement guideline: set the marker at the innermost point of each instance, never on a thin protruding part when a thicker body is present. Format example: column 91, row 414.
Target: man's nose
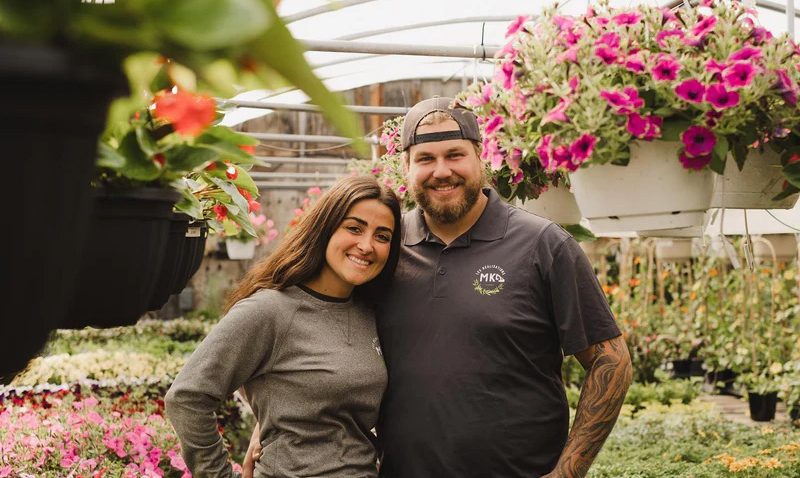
column 442, row 170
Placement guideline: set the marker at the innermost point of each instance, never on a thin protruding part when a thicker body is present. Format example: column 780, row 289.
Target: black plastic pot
column 794, row 412
column 196, row 236
column 722, row 381
column 54, row 109
column 126, row 247
column 762, row 407
column 687, row 368
column 174, row 255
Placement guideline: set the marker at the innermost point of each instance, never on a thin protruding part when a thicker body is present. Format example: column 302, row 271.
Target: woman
column 299, row 338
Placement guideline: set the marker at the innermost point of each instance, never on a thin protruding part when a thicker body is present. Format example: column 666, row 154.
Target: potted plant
column 762, row 394
column 639, row 103
column 242, row 246
column 790, row 389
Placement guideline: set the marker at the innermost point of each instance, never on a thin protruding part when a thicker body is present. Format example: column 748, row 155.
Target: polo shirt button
column 442, row 271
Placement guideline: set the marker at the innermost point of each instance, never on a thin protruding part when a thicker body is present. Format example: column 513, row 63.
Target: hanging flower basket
column 755, row 186
column 196, row 236
column 240, row 250
column 783, row 245
column 652, row 192
column 674, row 250
column 557, row 204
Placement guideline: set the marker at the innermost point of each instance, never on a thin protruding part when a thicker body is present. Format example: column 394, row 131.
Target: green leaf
column 205, row 25
column 225, row 133
column 109, row 157
column 138, row 165
column 281, row 52
column 719, row 155
column 579, row 232
column 185, row 159
column 146, row 141
column 243, row 179
column 234, row 194
column 672, row 129
column 665, row 111
column 622, row 159
column 739, row 152
column 228, row 152
column 189, row 204
column 792, row 174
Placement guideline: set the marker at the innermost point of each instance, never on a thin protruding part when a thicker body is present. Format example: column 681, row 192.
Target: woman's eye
column 353, row 229
column 384, row 238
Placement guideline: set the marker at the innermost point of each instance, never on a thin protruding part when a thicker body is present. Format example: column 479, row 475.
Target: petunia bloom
column 738, row 75
column 760, row 35
column 627, row 18
column 608, row 55
column 691, row 90
column 786, row 87
column 746, row 53
column 720, row 98
column 582, row 148
column 543, row 150
column 624, row 102
column 516, row 25
column 188, row 113
column 663, row 35
column 698, row 141
column 704, row 27
column 634, row 63
column 609, row 39
column 694, row 162
column 666, row 69
column 492, row 153
column 494, row 123
column 557, row 114
column 646, row 128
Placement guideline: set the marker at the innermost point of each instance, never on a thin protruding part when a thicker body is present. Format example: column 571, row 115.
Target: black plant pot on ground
column 125, row 250
column 54, row 109
column 685, row 368
column 762, row 407
column 722, row 381
column 794, row 413
column 181, row 258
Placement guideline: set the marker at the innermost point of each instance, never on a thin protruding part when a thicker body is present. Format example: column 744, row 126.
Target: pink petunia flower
column 663, row 35
column 516, row 25
column 606, row 54
column 738, row 75
column 509, row 51
column 666, row 69
column 647, row 127
column 557, row 114
column 517, row 178
column 582, row 148
column 543, row 150
column 760, row 35
column 492, row 153
column 694, row 162
column 714, row 67
column 698, row 141
column 569, row 55
column 609, row 39
column 704, row 27
column 506, row 75
column 562, row 156
column 624, row 102
column 746, row 53
column 574, row 84
column 786, row 87
column 563, row 22
column 668, row 16
column 627, row 18
column 691, row 90
column 634, row 63
column 494, row 123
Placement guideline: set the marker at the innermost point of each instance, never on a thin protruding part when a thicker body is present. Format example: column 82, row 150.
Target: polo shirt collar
column 491, row 225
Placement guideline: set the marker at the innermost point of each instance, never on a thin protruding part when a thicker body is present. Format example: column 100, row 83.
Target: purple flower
column 609, row 39
column 581, row 149
column 691, row 90
column 738, row 75
column 720, row 98
column 666, row 69
column 698, row 141
column 786, row 87
column 607, row 54
column 759, row 35
column 516, row 25
column 623, row 102
column 662, row 36
column 544, row 149
column 704, row 27
column 745, row 53
column 694, row 162
column 494, row 123
column 557, row 114
column 647, row 127
column 627, row 18
column 562, row 157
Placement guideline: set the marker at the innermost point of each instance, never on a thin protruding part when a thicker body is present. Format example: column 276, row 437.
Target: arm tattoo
column 601, row 399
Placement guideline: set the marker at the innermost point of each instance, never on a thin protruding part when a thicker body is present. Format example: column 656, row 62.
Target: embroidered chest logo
column 489, row 280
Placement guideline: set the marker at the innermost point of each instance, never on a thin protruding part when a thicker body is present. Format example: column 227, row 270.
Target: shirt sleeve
column 237, row 349
column 580, row 309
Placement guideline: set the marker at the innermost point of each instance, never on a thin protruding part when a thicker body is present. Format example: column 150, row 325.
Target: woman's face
column 358, row 248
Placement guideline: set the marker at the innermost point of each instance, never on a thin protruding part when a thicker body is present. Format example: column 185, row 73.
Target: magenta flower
column 711, row 117
column 492, row 153
column 623, row 102
column 666, row 69
column 508, row 51
column 647, row 127
column 704, row 27
column 581, row 149
column 494, row 123
column 745, row 54
column 607, row 54
column 634, row 63
column 633, row 97
column 760, row 35
column 786, row 87
column 661, row 37
column 698, row 141
column 562, row 156
column 517, row 105
column 602, row 21
column 715, row 67
column 738, row 75
column 609, row 39
column 563, row 23
column 516, row 25
column 691, row 90
column 574, row 84
column 627, row 18
column 505, row 75
column 557, row 114
column 668, row 16
column 543, row 150
column 517, row 178
column 694, row 162
column 486, row 95
column 570, row 55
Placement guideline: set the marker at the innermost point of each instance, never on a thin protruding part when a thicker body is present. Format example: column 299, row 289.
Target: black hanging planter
column 762, row 407
column 196, row 236
column 125, row 250
column 722, row 381
column 54, row 109
column 184, row 252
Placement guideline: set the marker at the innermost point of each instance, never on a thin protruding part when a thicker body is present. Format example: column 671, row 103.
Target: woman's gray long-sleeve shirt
column 312, row 372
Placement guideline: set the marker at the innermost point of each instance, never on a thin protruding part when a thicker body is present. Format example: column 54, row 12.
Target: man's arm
column 609, row 374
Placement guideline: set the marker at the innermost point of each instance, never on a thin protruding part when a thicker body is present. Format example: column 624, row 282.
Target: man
column 485, row 301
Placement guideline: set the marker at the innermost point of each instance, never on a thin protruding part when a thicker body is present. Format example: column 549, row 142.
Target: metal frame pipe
column 339, row 46
column 323, row 161
column 269, row 105
column 270, row 175
column 300, row 186
column 308, row 138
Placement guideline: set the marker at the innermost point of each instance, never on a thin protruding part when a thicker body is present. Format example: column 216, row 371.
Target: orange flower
column 713, row 272
column 248, row 148
column 188, row 112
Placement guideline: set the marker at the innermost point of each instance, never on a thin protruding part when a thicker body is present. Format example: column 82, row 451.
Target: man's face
column 445, row 177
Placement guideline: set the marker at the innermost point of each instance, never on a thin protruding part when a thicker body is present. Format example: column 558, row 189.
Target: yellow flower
column 771, row 464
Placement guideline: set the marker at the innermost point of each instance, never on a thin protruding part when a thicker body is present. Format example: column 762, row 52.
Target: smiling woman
column 299, row 338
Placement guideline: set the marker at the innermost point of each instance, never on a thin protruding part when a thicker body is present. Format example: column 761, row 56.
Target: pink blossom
column 492, row 153
column 609, row 39
column 569, row 37
column 495, row 123
column 704, row 27
column 563, row 22
column 738, row 75
column 607, row 54
column 568, row 55
column 514, row 159
column 562, row 156
column 557, row 114
column 574, row 84
column 543, row 150
column 486, row 95
column 518, row 104
column 711, row 117
column 647, row 127
column 634, row 63
column 508, row 51
column 668, row 16
column 694, row 162
column 666, row 69
column 627, row 18
column 623, row 102
column 745, row 54
column 516, row 25
column 314, row 191
column 760, row 35
column 517, row 178
column 691, row 90
column 698, row 141
column 662, row 36
column 715, row 67
column 582, row 148
column 505, row 75
column 602, row 21
column 786, row 87
column 5, row 471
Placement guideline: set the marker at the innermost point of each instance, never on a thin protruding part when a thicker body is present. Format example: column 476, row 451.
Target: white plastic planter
column 596, row 249
column 784, row 245
column 652, row 192
column 240, row 250
column 754, row 186
column 674, row 250
column 557, row 204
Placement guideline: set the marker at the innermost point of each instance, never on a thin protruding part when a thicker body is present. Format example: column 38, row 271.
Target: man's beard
column 447, row 213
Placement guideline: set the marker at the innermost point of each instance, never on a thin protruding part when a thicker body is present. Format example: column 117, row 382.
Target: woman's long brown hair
column 301, row 254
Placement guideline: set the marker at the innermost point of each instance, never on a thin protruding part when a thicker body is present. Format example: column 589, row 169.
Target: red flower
column 221, row 211
column 245, row 193
column 231, row 171
column 254, row 206
column 211, row 166
column 189, row 113
column 248, row 148
column 159, row 159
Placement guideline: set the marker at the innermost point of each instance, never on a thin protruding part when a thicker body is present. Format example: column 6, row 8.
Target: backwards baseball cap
column 467, row 123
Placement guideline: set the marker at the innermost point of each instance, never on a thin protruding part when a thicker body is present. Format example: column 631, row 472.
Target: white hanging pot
column 240, row 250
column 754, row 186
column 653, row 191
column 557, row 204
column 784, row 245
column 596, row 249
column 674, row 250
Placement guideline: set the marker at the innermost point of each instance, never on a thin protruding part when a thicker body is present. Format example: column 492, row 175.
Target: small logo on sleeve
column 489, row 280
column 376, row 344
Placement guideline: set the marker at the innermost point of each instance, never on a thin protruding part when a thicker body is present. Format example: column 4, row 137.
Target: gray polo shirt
column 473, row 335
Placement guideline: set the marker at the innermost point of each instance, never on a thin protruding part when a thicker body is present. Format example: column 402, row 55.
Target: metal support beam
column 299, row 186
column 437, row 23
column 400, row 49
column 307, row 138
column 269, row 105
column 769, row 5
column 327, row 7
column 321, row 161
column 259, row 175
